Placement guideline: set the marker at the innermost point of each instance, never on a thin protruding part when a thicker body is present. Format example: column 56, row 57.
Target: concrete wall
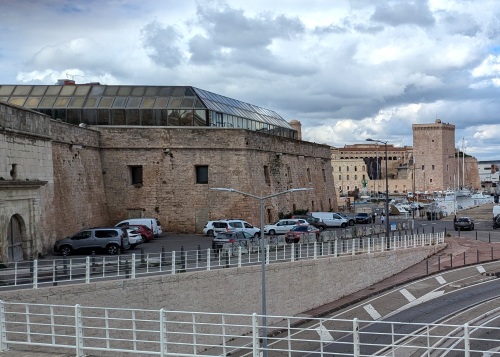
column 292, row 288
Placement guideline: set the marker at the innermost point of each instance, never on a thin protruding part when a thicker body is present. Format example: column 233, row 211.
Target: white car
column 283, row 226
column 134, row 238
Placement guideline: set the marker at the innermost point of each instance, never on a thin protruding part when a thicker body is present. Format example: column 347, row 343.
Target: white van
column 496, row 210
column 331, row 219
column 148, row 222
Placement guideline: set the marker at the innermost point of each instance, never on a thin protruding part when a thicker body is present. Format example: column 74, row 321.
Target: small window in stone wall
column 266, row 175
column 202, row 174
column 136, row 175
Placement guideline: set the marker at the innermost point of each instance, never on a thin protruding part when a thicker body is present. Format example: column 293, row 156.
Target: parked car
column 152, row 223
column 237, row 238
column 283, row 225
column 363, row 217
column 316, row 222
column 235, row 225
column 208, row 228
column 113, row 240
column 331, row 219
column 134, row 238
column 464, row 223
column 297, row 232
column 350, row 218
column 146, row 233
column 496, row 221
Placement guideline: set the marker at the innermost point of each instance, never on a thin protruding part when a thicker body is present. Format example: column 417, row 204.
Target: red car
column 300, row 231
column 145, row 232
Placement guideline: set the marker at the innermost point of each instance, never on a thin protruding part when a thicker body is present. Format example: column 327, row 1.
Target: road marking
column 480, row 269
column 372, row 312
column 407, row 295
column 440, row 280
column 491, row 352
column 424, row 298
column 324, row 334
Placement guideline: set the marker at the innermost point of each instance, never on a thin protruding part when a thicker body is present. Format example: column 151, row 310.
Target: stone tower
column 434, row 156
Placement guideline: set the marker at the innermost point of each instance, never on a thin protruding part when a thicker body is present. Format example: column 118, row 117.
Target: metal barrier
column 38, row 273
column 83, row 330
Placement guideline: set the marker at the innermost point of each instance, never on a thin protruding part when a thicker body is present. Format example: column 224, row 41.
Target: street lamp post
column 387, row 224
column 262, row 249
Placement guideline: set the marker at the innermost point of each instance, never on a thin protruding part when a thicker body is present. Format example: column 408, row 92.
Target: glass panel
column 111, row 90
column 38, row 90
column 147, row 103
column 106, row 102
column 186, row 118
column 161, row 102
column 174, row 103
column 73, row 116
column 151, row 91
column 124, row 91
column 162, row 118
column 89, row 116
column 76, row 102
column 67, row 90
column 17, row 100
column 82, row 90
column 165, row 92
column 6, row 90
column 47, row 102
column 174, row 117
column 187, row 102
column 61, row 102
column 200, row 118
column 4, row 99
column 132, row 117
column 146, row 117
column 138, row 91
column 120, row 102
column 91, row 102
column 103, row 117
column 97, row 90
column 189, row 92
column 59, row 114
column 53, row 90
column 198, row 104
column 118, row 117
column 179, row 91
column 22, row 90
column 133, row 102
column 32, row 102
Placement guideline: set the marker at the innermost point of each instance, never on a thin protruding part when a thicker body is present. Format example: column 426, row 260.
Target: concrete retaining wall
column 291, row 287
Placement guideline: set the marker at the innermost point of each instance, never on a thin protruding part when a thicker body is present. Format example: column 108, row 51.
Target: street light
column 387, row 224
column 262, row 249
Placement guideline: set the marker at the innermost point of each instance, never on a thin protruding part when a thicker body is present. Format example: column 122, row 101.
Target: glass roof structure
column 97, row 104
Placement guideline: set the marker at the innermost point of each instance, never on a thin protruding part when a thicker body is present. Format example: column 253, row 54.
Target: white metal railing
column 38, row 273
column 83, row 330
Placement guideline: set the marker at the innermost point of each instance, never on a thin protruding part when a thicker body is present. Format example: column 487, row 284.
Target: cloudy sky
column 348, row 70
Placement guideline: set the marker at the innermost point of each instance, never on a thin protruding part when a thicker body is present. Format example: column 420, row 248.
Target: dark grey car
column 113, row 240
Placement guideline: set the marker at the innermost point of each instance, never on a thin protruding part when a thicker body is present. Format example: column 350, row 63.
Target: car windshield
column 300, row 228
column 463, row 219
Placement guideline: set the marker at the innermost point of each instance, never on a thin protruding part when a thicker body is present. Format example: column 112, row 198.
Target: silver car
column 113, row 240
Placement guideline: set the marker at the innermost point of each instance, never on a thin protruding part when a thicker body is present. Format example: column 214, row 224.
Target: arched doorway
column 15, row 238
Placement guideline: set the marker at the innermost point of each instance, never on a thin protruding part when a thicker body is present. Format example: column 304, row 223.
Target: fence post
column 163, row 333
column 78, row 330
column 315, row 256
column 87, row 270
column 355, row 338
column 208, row 258
column 255, row 336
column 3, row 333
column 467, row 341
column 133, row 266
column 183, row 262
column 228, row 251
column 173, row 262
column 35, row 274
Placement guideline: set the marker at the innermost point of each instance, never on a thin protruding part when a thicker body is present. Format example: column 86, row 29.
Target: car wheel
column 321, row 228
column 472, row 227
column 65, row 250
column 272, row 232
column 210, row 233
column 256, row 235
column 351, row 222
column 343, row 225
column 113, row 249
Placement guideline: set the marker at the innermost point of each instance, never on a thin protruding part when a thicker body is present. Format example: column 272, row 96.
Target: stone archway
column 15, row 231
